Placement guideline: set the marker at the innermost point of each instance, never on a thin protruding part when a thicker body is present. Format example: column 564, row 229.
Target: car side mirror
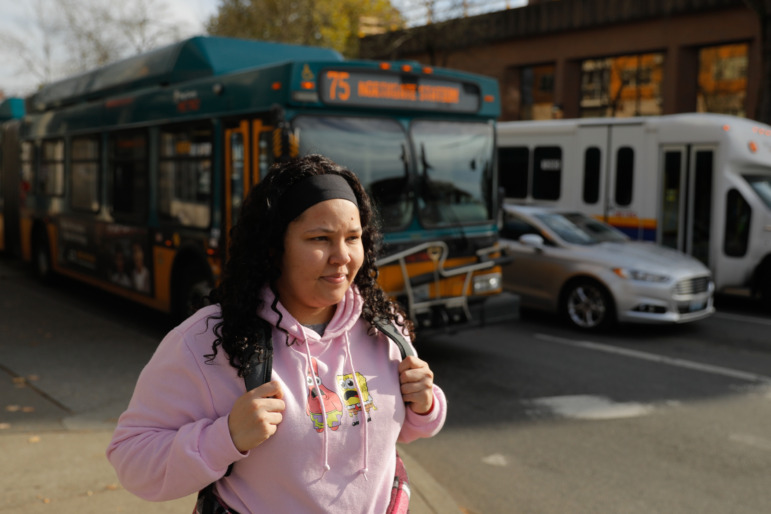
column 532, row 240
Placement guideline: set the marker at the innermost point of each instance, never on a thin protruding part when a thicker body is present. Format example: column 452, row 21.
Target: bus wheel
column 587, row 305
column 191, row 293
column 41, row 256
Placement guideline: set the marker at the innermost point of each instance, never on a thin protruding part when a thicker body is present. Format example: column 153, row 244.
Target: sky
column 17, row 18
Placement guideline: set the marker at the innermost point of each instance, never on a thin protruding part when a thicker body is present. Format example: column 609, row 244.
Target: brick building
column 577, row 58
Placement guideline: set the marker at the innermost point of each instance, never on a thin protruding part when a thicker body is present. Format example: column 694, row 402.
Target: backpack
column 207, row 502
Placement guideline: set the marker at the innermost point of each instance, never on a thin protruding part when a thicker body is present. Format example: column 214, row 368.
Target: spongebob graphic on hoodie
column 328, row 404
column 353, row 402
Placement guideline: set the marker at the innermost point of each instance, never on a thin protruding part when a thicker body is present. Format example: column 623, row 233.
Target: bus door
column 246, row 160
column 625, row 181
column 685, row 197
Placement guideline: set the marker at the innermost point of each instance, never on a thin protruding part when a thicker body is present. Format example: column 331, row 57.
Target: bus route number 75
column 339, row 87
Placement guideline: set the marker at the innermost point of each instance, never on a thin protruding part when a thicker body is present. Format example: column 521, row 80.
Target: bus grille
column 694, row 285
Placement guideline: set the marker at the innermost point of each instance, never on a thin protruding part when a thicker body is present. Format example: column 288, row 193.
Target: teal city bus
column 134, row 173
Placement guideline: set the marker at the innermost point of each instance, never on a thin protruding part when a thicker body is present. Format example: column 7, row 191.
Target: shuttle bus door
column 237, row 180
column 685, row 199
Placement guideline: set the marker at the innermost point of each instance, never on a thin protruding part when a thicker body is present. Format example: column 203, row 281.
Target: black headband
column 312, row 190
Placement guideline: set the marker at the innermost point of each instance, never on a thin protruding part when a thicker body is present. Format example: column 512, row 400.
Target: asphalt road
column 542, row 419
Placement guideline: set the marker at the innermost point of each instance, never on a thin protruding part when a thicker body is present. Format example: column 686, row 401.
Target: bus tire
column 191, row 292
column 41, row 256
column 587, row 305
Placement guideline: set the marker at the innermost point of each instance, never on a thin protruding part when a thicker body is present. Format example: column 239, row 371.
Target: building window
column 722, row 82
column 624, row 86
column 85, row 173
column 536, row 92
column 184, row 179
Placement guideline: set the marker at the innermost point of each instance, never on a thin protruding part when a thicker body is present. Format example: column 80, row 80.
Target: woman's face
column 323, row 252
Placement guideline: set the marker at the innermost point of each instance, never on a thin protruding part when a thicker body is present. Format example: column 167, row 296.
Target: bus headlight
column 488, row 283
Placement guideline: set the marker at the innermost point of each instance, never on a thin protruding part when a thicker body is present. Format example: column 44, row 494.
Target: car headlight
column 641, row 276
column 487, row 283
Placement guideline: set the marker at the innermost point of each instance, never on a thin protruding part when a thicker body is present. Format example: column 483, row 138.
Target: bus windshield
column 762, row 186
column 376, row 149
column 454, row 171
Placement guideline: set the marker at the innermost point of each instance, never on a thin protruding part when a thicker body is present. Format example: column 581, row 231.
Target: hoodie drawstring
column 316, row 381
column 363, row 411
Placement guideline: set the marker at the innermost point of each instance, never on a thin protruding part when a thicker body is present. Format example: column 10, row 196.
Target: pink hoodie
column 330, row 453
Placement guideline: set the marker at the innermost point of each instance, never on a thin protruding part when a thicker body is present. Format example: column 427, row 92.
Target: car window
column 576, row 228
column 515, row 227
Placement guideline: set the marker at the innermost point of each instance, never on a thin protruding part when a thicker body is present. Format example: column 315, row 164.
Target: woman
column 321, row 435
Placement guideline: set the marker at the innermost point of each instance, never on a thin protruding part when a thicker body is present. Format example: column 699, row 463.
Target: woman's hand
column 255, row 416
column 417, row 384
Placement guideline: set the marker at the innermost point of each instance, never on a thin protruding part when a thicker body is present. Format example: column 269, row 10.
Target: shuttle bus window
column 624, row 175
column 51, row 176
column 184, row 175
column 592, row 175
column 85, row 174
column 737, row 224
column 513, row 165
column 127, row 162
column 547, row 172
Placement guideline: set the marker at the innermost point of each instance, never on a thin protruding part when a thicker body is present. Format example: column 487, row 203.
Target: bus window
column 51, row 176
column 624, row 175
column 513, row 166
column 84, row 180
column 737, row 224
column 592, row 175
column 184, row 175
column 27, row 166
column 454, row 171
column 376, row 149
column 127, row 162
column 547, row 172
column 702, row 205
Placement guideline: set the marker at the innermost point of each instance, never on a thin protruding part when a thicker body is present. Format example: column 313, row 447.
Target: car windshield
column 454, row 171
column 576, row 228
column 375, row 149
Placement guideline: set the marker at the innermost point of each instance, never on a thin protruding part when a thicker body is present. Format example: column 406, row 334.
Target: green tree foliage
column 333, row 24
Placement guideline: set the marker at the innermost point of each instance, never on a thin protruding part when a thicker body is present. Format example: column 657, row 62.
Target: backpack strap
column 261, row 371
column 394, row 334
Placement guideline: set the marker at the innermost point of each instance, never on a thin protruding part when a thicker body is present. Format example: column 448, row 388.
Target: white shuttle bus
column 700, row 183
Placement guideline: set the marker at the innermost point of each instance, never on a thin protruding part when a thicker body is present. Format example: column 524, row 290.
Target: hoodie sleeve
column 171, row 442
column 417, row 426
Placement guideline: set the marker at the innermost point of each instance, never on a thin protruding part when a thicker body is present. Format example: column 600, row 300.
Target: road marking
column 592, row 407
column 496, row 459
column 744, row 319
column 751, row 440
column 670, row 361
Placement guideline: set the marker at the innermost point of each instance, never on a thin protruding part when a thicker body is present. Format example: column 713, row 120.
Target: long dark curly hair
column 256, row 251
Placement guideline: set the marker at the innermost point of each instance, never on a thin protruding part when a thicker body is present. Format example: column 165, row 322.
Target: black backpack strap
column 261, row 371
column 394, row 334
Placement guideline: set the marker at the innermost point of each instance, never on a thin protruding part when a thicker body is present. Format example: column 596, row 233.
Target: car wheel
column 587, row 305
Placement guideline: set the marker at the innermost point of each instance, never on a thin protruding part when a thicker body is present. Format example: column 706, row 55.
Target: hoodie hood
column 347, row 313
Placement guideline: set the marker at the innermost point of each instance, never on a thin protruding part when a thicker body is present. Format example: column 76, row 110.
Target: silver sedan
column 594, row 275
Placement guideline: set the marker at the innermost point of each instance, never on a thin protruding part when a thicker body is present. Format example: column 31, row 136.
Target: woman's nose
column 340, row 253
